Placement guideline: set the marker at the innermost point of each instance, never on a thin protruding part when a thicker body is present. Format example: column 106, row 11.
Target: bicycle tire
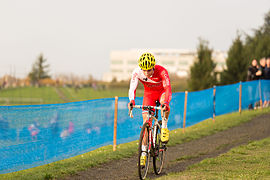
column 159, row 153
column 143, row 170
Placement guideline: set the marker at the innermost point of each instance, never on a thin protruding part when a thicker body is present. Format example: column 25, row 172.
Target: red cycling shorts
column 150, row 98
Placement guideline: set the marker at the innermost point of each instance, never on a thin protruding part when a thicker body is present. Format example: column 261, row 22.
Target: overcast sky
column 76, row 36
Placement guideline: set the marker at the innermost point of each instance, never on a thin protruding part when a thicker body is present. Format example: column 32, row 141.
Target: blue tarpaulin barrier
column 35, row 135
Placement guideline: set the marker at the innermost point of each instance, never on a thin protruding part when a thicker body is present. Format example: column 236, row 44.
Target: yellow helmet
column 147, row 61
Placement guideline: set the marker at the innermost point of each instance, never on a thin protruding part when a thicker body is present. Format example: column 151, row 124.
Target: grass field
column 52, row 95
column 29, row 95
column 244, row 162
column 90, row 93
column 73, row 165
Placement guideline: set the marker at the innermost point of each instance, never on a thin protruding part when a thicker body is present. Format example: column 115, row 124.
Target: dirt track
column 197, row 150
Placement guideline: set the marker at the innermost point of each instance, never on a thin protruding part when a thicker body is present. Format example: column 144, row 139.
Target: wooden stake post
column 214, row 103
column 185, row 112
column 240, row 97
column 115, row 123
column 260, row 91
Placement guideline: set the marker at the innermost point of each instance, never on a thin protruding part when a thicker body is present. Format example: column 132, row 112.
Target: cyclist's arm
column 133, row 85
column 167, row 86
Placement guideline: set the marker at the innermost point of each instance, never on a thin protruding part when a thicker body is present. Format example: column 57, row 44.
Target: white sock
column 164, row 123
column 144, row 148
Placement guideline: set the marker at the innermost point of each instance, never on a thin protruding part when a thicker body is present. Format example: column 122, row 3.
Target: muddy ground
column 196, row 150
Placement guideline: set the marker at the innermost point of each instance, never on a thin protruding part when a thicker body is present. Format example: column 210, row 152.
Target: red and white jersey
column 158, row 82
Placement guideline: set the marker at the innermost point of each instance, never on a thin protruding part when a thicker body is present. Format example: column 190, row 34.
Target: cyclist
column 157, row 86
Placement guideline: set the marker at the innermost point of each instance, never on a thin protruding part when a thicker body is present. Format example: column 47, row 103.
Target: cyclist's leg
column 145, row 118
column 148, row 100
column 144, row 143
column 164, row 128
column 167, row 113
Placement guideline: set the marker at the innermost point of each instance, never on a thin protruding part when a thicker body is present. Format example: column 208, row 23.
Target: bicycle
column 155, row 148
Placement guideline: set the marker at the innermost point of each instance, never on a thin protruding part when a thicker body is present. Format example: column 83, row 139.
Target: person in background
column 267, row 69
column 253, row 74
column 253, row 71
column 267, row 77
column 34, row 130
column 262, row 68
column 68, row 131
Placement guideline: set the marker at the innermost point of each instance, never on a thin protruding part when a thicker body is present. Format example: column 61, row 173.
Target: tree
column 236, row 63
column 266, row 26
column 241, row 54
column 39, row 70
column 258, row 46
column 202, row 74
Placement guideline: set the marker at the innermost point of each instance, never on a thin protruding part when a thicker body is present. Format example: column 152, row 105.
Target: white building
column 177, row 61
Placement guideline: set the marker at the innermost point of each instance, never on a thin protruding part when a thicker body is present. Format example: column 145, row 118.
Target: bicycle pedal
column 165, row 148
column 141, row 165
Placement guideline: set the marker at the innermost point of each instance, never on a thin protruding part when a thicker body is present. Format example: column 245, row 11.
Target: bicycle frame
column 155, row 147
column 150, row 116
column 152, row 134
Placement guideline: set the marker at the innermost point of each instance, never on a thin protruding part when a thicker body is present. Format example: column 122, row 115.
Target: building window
column 132, row 62
column 116, row 61
column 183, row 62
column 168, row 62
column 117, row 70
column 130, row 71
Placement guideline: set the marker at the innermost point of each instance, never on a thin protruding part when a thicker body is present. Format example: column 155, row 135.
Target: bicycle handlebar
column 146, row 107
column 142, row 107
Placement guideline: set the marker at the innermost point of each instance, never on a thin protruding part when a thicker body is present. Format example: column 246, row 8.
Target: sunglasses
column 149, row 70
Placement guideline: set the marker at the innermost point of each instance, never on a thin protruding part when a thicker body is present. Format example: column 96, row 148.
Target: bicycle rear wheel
column 159, row 156
column 142, row 170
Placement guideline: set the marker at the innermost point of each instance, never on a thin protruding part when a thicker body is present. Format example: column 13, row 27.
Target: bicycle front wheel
column 159, row 156
column 144, row 140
